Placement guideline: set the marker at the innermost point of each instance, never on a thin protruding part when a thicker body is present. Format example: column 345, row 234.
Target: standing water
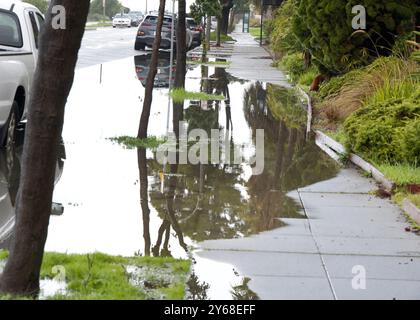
column 122, row 201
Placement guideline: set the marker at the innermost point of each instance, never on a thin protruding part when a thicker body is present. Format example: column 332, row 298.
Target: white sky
column 140, row 5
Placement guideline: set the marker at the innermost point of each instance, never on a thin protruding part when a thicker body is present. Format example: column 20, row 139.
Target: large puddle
column 99, row 185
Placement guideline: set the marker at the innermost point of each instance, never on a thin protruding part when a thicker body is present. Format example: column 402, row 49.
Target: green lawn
column 99, row 276
column 256, row 32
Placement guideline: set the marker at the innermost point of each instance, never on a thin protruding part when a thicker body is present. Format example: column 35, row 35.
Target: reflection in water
column 10, row 160
column 142, row 63
column 215, row 201
column 243, row 292
column 196, row 290
column 224, row 200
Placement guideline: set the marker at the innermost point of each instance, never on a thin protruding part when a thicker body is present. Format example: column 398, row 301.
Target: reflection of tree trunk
column 58, row 51
column 164, row 229
column 170, row 195
column 144, row 198
column 281, row 141
column 148, row 95
column 290, row 149
column 170, row 198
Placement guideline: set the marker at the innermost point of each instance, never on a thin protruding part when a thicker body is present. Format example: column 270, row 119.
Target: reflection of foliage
column 243, row 292
column 285, row 106
column 179, row 95
column 196, row 290
column 216, row 201
column 150, row 142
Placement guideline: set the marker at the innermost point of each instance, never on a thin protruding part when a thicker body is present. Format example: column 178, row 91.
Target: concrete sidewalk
column 348, row 232
column 252, row 62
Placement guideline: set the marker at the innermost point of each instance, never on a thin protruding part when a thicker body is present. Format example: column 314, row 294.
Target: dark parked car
column 197, row 31
column 135, row 19
column 147, row 32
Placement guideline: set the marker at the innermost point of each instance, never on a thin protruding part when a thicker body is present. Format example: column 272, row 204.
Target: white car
column 121, row 20
column 20, row 25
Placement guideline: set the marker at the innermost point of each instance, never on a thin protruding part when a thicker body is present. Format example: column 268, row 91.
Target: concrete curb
column 310, row 109
column 335, row 150
column 412, row 210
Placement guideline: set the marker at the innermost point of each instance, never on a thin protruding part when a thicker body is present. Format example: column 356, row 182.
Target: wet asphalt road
column 106, row 44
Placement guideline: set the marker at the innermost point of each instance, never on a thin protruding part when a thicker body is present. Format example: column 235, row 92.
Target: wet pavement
column 295, row 231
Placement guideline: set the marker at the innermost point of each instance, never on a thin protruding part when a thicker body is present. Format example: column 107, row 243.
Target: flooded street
column 100, row 184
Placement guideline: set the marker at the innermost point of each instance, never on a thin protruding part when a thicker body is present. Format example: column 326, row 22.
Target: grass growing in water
column 180, row 95
column 133, row 142
column 101, row 277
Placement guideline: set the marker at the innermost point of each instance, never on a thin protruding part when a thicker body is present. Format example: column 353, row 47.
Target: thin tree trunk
column 148, row 95
column 227, row 5
column 181, row 46
column 218, row 32
column 208, row 31
column 58, row 51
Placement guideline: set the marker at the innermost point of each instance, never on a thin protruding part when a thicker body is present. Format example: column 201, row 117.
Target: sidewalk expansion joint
column 324, row 266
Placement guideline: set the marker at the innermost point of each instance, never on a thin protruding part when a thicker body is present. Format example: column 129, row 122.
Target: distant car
column 121, row 20
column 135, row 20
column 197, row 31
column 147, row 32
column 142, row 63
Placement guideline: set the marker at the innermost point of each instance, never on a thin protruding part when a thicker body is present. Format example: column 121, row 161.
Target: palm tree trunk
column 58, row 51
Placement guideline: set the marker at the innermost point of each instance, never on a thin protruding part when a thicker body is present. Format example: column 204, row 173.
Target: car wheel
column 139, row 46
column 8, row 132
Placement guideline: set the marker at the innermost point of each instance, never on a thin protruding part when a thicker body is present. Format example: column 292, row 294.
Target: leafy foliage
column 42, row 5
column 324, row 27
column 112, row 8
column 387, row 131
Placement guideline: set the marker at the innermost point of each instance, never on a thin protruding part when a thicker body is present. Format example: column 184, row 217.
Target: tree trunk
column 58, row 51
column 148, row 95
column 208, row 31
column 218, row 32
column 227, row 5
column 181, row 46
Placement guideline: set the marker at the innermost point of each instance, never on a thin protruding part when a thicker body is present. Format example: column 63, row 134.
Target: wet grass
column 3, row 254
column 134, row 142
column 223, row 37
column 401, row 174
column 180, row 95
column 102, row 277
column 255, row 32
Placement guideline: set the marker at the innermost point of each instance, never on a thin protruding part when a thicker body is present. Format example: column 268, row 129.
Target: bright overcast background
column 140, row 5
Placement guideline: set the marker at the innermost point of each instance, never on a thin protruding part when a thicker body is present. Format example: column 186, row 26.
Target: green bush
column 294, row 64
column 325, row 29
column 387, row 131
column 410, row 140
column 279, row 29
